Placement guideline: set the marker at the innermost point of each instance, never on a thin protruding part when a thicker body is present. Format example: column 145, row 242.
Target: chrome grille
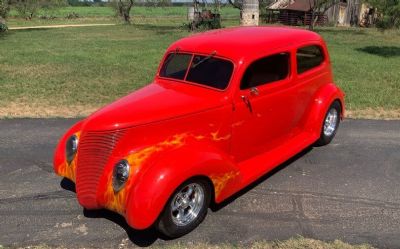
column 94, row 150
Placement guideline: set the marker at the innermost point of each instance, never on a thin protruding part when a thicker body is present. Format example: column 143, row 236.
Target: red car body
column 172, row 130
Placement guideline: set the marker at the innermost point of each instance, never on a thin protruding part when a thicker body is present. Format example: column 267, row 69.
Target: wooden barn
column 293, row 12
column 299, row 12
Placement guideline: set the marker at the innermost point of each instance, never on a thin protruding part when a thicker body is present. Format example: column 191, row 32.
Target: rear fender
column 155, row 186
column 320, row 104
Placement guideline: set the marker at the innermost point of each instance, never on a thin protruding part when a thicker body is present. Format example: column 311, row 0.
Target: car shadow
column 145, row 238
column 216, row 207
column 142, row 238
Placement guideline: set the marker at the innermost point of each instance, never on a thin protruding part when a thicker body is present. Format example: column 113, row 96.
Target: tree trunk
column 2, row 21
column 124, row 9
column 311, row 25
column 313, row 8
column 320, row 6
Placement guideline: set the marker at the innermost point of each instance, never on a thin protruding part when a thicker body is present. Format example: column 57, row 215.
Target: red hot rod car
column 225, row 107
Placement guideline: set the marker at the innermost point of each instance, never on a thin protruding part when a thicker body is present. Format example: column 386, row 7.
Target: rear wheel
column 330, row 125
column 186, row 208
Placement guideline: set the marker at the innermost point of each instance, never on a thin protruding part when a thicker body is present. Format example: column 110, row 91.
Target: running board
column 255, row 167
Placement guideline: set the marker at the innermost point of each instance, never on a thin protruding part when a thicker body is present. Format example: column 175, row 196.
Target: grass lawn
column 73, row 71
column 366, row 64
column 78, row 67
column 293, row 243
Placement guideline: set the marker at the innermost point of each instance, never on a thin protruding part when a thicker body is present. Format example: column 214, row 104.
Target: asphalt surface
column 348, row 190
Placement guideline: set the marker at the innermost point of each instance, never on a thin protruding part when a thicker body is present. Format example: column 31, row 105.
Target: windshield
column 204, row 70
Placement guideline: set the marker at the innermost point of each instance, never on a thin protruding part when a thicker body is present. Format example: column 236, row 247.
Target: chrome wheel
column 187, row 204
column 330, row 122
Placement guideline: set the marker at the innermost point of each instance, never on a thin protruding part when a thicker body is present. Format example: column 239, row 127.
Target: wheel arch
column 322, row 100
column 341, row 103
column 154, row 188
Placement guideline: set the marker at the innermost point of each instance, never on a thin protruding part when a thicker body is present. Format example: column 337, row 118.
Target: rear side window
column 308, row 58
column 210, row 71
column 266, row 70
column 175, row 66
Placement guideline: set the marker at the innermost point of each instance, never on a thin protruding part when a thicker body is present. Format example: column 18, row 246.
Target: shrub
column 29, row 8
column 4, row 8
column 47, row 17
column 388, row 13
column 3, row 25
column 72, row 15
column 123, row 9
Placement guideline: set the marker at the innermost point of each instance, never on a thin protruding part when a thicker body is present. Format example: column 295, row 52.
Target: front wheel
column 186, row 208
column 330, row 125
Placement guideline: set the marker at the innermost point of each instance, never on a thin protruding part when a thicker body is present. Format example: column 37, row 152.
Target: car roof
column 239, row 42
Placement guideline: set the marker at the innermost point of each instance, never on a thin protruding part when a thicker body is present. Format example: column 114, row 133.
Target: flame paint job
column 220, row 181
column 66, row 169
column 116, row 201
column 175, row 130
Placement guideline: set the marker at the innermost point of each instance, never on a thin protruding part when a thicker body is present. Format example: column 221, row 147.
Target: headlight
column 71, row 148
column 120, row 175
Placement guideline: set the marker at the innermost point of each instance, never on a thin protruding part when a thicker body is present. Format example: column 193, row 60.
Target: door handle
column 254, row 91
column 247, row 102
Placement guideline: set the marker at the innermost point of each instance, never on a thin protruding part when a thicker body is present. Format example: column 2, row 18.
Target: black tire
column 167, row 222
column 325, row 138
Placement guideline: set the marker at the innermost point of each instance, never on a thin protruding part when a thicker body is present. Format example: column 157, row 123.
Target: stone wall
column 249, row 14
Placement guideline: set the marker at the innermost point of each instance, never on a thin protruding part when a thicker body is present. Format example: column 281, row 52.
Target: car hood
column 155, row 102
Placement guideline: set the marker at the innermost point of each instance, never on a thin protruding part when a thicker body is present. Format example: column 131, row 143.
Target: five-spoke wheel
column 186, row 204
column 186, row 208
column 330, row 124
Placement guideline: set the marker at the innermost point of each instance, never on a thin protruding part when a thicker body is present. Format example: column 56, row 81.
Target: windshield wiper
column 204, row 59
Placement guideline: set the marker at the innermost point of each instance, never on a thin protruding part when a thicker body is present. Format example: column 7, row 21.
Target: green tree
column 3, row 25
column 319, row 8
column 123, row 9
column 388, row 13
column 4, row 8
column 157, row 3
column 29, row 8
column 238, row 4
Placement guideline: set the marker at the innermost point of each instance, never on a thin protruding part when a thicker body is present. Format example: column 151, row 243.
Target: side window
column 266, row 70
column 308, row 58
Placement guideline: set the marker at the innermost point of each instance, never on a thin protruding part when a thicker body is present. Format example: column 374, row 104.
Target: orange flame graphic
column 66, row 169
column 215, row 136
column 116, row 201
column 220, row 181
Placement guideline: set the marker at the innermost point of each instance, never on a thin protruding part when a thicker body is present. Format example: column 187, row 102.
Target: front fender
column 152, row 191
column 319, row 106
